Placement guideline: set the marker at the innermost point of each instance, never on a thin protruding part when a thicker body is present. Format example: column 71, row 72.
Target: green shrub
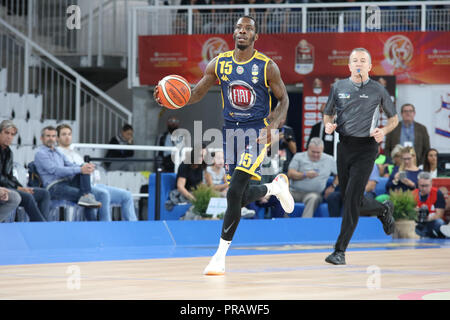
column 404, row 205
column 203, row 194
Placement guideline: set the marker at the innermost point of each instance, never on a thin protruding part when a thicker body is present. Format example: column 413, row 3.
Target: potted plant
column 203, row 193
column 405, row 214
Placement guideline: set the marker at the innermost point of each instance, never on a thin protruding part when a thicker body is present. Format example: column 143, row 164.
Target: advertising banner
column 413, row 57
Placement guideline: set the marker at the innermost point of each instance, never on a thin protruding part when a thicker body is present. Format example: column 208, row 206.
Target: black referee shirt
column 358, row 106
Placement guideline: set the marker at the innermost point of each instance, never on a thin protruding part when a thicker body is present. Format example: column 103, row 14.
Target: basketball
column 174, row 91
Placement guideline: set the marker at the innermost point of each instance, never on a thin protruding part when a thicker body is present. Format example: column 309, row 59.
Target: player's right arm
column 206, row 82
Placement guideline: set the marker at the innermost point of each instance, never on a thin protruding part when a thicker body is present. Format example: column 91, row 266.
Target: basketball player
column 245, row 76
column 356, row 102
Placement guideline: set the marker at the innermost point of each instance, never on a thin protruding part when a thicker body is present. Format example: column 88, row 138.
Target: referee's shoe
column 387, row 218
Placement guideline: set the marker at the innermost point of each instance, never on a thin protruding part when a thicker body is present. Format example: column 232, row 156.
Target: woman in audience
column 215, row 175
column 430, row 162
column 404, row 177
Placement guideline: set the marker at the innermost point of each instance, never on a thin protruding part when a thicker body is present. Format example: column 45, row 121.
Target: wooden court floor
column 371, row 274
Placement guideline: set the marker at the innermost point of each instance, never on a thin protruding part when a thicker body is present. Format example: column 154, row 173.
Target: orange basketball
column 174, row 91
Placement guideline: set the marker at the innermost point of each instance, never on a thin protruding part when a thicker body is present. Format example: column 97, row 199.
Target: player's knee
column 235, row 192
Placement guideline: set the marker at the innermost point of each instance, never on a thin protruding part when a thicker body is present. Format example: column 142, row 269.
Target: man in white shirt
column 107, row 195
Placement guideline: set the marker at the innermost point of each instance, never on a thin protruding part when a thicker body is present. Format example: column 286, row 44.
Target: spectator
column 215, row 175
column 168, row 140
column 190, row 173
column 318, row 130
column 430, row 162
column 409, row 133
column 125, row 137
column 62, row 178
column 309, row 172
column 36, row 201
column 287, row 146
column 404, row 177
column 334, row 200
column 432, row 200
column 9, row 201
column 105, row 194
column 276, row 19
column 385, row 167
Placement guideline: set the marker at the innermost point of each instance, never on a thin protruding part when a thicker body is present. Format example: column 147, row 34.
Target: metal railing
column 66, row 94
column 393, row 16
column 101, row 31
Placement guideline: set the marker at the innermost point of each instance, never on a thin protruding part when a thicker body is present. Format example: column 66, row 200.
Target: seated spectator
column 334, row 200
column 318, row 130
column 394, row 159
column 433, row 201
column 167, row 140
column 35, row 201
column 125, row 137
column 287, row 146
column 9, row 201
column 276, row 211
column 62, row 178
column 430, row 162
column 107, row 195
column 276, row 19
column 215, row 175
column 190, row 173
column 309, row 172
column 404, row 177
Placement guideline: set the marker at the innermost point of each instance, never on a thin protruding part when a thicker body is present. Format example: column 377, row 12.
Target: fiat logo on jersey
column 241, row 95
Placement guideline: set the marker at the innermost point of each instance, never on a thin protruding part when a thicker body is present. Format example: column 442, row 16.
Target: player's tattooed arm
column 206, row 82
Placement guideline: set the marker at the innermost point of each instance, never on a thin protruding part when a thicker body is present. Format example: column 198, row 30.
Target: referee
column 353, row 110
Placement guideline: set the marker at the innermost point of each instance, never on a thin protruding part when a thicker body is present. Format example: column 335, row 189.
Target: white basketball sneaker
column 445, row 229
column 216, row 267
column 280, row 189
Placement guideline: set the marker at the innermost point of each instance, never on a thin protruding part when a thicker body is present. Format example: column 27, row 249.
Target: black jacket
column 7, row 180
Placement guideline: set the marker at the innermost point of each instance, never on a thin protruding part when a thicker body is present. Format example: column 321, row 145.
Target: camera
column 423, row 214
column 401, row 175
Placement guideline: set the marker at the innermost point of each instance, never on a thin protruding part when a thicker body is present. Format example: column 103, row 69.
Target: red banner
column 413, row 57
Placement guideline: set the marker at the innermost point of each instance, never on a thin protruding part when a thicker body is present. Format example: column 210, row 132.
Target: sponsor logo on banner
column 310, row 115
column 310, row 99
column 310, row 106
column 398, row 52
column 211, row 48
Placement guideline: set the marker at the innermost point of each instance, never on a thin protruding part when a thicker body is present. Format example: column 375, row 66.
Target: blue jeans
column 72, row 190
column 430, row 229
column 110, row 195
column 7, row 207
column 37, row 205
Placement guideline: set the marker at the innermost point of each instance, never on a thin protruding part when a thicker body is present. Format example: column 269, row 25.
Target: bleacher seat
column 381, row 186
column 5, row 110
column 167, row 184
column 3, row 79
column 34, row 106
column 321, row 211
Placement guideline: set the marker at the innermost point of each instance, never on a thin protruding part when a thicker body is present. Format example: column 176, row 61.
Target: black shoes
column 387, row 218
column 337, row 257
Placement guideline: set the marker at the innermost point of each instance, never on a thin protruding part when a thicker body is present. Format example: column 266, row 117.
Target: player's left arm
column 278, row 88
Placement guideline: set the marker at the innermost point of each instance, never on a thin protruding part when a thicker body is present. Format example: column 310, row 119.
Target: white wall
column 427, row 101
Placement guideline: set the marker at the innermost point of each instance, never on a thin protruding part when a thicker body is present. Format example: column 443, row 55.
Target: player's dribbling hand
column 155, row 96
column 378, row 134
column 330, row 127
